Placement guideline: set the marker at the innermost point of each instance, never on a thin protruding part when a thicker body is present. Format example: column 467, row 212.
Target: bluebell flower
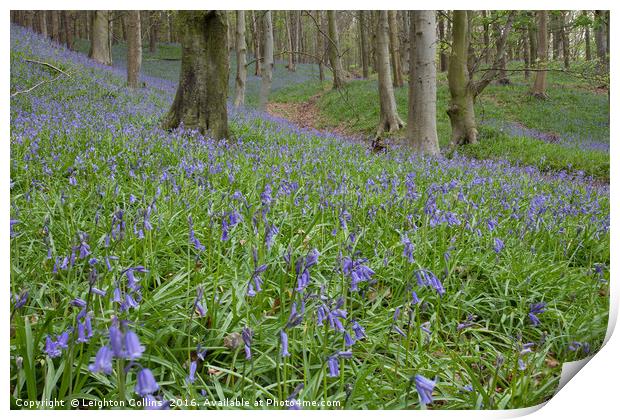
column 357, row 271
column 498, row 245
column 408, row 249
column 246, row 335
column 116, row 341
column 284, row 342
column 414, row 298
column 80, row 303
column 425, row 388
column 191, row 378
column 63, row 340
column 133, row 348
column 51, row 348
column 146, row 383
column 536, row 309
column 428, row 278
column 333, row 366
column 348, row 340
column 103, row 361
column 359, row 331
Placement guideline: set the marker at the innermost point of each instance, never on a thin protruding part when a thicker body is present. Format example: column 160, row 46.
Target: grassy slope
column 92, row 129
column 571, row 112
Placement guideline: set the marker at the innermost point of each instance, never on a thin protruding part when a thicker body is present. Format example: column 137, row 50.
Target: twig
column 35, row 86
column 43, row 63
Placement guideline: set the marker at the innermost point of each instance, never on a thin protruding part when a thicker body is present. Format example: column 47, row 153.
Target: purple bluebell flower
column 191, row 378
column 80, row 303
column 270, row 232
column 146, row 383
column 399, row 331
column 20, row 300
column 51, row 348
column 414, row 298
column 103, row 361
column 357, row 271
column 116, row 341
column 246, row 335
column 333, row 366
column 359, row 331
column 133, row 348
column 348, row 340
column 63, row 340
column 408, row 249
column 98, row 291
column 345, row 354
column 198, row 308
column 536, row 309
column 428, row 278
column 295, row 317
column 498, row 245
column 284, row 342
column 425, row 388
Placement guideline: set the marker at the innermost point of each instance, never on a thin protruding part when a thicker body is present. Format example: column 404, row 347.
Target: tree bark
column 68, row 20
column 389, row 121
column 443, row 57
column 423, row 83
column 364, row 41
column 200, row 100
column 587, row 40
column 289, row 38
column 540, row 83
column 565, row 40
column 153, row 30
column 461, row 106
column 42, row 22
column 320, row 46
column 526, row 53
column 134, row 48
column 256, row 34
column 397, row 71
column 486, row 37
column 100, row 37
column 55, row 20
column 267, row 69
column 599, row 37
column 334, row 50
column 241, row 60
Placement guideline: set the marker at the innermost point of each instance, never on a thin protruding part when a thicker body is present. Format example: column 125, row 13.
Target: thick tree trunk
column 397, row 71
column 267, row 69
column 134, row 48
column 100, row 37
column 422, row 120
column 334, row 50
column 241, row 60
column 461, row 106
column 55, row 20
column 389, row 121
column 200, row 100
column 540, row 83
column 599, row 37
column 443, row 57
column 363, row 26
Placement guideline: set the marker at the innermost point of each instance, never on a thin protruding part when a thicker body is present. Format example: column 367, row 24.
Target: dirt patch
column 305, row 115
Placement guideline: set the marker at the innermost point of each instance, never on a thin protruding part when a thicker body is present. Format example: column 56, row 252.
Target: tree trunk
column 200, row 100
column 134, row 48
column 555, row 31
column 256, row 41
column 363, row 25
column 389, row 121
column 565, row 41
column 526, row 53
column 461, row 106
column 100, row 37
column 67, row 20
column 587, row 39
column 443, row 57
column 532, row 33
column 540, row 83
column 241, row 60
column 599, row 37
column 267, row 69
column 320, row 50
column 289, row 39
column 423, row 83
column 397, row 71
column 334, row 50
column 42, row 22
column 486, row 37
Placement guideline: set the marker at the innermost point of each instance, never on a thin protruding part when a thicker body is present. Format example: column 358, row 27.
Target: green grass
column 572, row 110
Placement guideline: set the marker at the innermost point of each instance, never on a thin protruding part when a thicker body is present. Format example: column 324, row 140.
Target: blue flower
column 425, row 388
column 498, row 245
column 284, row 342
column 334, row 367
column 133, row 348
column 103, row 361
column 192, row 372
column 146, row 383
column 246, row 335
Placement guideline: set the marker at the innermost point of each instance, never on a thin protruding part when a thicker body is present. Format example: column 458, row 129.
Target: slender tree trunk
column 532, row 33
column 405, row 44
column 256, row 35
column 334, row 50
column 486, row 37
column 587, row 40
column 67, row 19
column 555, row 32
column 443, row 57
column 42, row 22
column 540, row 83
column 289, row 39
column 423, row 83
column 134, row 48
column 526, row 53
column 153, row 30
column 565, row 40
column 461, row 106
column 100, row 37
column 200, row 100
column 320, row 43
column 241, row 60
column 363, row 25
column 397, row 71
column 389, row 121
column 267, row 70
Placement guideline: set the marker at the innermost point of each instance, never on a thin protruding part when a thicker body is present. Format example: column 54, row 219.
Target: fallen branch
column 19, row 92
column 43, row 63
